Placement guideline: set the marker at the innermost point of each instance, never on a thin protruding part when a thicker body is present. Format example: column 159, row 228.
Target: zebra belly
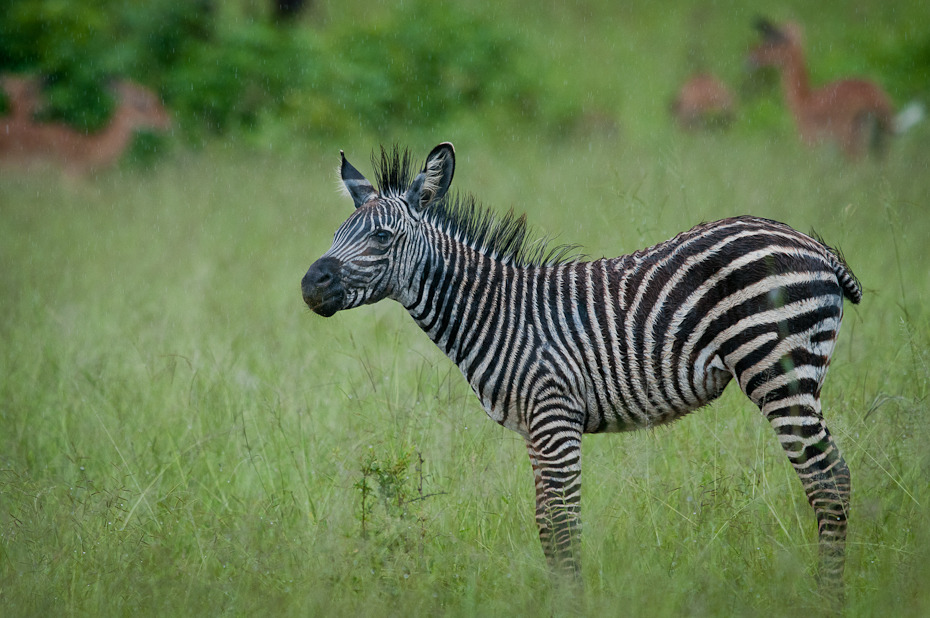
column 708, row 383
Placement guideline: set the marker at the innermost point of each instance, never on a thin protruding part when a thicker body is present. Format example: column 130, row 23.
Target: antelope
column 703, row 102
column 856, row 114
column 22, row 93
column 26, row 142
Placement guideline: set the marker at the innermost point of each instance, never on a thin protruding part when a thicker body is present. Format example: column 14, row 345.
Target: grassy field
column 179, row 435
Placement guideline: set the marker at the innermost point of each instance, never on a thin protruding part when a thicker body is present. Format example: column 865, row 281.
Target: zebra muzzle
column 322, row 289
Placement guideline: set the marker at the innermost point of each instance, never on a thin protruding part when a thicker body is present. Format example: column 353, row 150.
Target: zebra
column 555, row 346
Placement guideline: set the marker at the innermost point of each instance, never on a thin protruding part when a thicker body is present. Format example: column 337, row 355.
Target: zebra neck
column 459, row 294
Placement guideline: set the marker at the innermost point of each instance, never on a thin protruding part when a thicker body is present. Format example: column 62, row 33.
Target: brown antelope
column 854, row 113
column 26, row 142
column 22, row 94
column 703, row 102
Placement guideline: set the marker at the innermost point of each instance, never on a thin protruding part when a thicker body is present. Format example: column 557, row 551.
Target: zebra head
column 370, row 257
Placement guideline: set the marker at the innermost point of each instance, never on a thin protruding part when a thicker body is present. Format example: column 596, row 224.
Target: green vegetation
column 180, row 436
column 227, row 68
column 392, row 68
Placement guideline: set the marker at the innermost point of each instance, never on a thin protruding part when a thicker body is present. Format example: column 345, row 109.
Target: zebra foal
column 555, row 347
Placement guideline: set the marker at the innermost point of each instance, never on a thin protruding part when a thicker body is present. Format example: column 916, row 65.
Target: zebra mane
column 504, row 238
column 394, row 172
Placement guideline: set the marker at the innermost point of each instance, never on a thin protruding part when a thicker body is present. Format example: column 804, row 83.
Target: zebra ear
column 358, row 188
column 432, row 184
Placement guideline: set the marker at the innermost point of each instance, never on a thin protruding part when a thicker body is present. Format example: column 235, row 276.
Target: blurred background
column 179, row 435
column 280, row 73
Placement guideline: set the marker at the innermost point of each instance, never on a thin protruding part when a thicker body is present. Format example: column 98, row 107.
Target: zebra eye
column 381, row 236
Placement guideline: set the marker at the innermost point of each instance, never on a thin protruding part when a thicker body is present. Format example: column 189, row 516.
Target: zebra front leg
column 556, row 460
column 542, row 519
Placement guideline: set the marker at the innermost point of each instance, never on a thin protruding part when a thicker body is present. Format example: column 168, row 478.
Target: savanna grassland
column 179, row 435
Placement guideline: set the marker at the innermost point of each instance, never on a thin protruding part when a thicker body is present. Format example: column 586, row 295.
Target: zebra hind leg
column 791, row 404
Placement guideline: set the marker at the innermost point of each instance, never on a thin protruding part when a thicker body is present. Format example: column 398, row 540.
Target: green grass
column 180, row 436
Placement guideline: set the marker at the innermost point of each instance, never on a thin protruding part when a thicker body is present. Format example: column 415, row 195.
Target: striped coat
column 555, row 347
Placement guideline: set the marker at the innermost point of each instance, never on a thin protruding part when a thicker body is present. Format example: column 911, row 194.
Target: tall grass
column 180, row 436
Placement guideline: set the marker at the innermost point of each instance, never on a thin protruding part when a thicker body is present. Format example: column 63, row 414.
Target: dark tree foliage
column 225, row 67
column 288, row 10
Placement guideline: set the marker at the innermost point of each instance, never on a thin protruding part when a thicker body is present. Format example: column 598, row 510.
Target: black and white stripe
column 555, row 347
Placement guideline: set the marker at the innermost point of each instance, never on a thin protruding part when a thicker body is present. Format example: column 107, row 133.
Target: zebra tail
column 852, row 289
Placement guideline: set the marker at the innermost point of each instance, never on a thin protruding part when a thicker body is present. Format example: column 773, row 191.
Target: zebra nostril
column 322, row 274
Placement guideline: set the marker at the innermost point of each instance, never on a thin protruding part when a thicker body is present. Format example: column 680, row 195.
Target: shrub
column 223, row 70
